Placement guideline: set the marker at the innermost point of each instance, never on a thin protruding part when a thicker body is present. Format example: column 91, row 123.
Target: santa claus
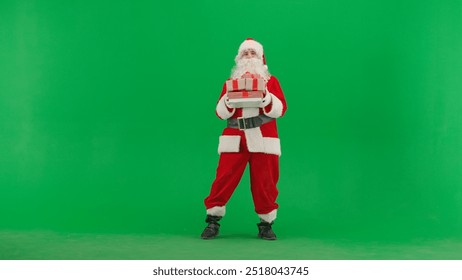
column 250, row 137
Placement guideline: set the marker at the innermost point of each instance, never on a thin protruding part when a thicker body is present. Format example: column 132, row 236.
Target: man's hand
column 229, row 105
column 266, row 99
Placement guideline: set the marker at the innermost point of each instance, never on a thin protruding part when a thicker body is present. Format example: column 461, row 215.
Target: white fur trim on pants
column 270, row 217
column 217, row 211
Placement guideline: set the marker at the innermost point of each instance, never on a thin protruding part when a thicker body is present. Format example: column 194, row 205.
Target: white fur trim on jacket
column 254, row 138
column 250, row 112
column 229, row 144
column 217, row 211
column 222, row 109
column 272, row 146
column 256, row 143
column 270, row 217
column 276, row 109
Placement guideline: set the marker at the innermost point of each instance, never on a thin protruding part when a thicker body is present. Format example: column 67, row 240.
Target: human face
column 249, row 53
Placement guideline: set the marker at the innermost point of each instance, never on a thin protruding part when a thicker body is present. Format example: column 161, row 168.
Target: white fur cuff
column 217, row 211
column 270, row 217
column 276, row 109
column 222, row 109
column 266, row 100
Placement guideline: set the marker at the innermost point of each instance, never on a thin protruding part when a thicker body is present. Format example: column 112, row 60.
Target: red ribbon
column 255, row 84
column 235, row 85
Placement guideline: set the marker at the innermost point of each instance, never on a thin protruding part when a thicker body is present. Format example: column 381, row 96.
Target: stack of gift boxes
column 246, row 91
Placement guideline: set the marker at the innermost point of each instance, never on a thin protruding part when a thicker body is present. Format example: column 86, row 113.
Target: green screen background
column 107, row 120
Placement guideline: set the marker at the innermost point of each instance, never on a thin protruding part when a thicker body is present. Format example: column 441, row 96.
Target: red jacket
column 263, row 139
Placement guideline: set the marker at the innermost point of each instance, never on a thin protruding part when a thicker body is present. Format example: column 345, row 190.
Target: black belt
column 246, row 123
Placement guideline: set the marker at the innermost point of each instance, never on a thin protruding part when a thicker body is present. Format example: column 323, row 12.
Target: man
column 250, row 137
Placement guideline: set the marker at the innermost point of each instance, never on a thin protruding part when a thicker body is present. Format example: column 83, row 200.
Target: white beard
column 251, row 65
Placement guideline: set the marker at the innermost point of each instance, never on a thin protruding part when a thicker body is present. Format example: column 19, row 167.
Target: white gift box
column 243, row 99
column 254, row 84
column 249, row 84
column 235, row 85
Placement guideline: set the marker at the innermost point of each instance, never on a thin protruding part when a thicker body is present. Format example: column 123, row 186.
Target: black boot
column 212, row 228
column 265, row 231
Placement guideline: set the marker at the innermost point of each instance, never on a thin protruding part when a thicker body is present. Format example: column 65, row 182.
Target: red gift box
column 241, row 99
column 245, row 94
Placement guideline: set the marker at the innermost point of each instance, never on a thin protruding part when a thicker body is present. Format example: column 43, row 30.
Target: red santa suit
column 258, row 146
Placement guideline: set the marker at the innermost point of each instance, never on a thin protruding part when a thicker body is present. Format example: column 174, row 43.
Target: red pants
column 264, row 175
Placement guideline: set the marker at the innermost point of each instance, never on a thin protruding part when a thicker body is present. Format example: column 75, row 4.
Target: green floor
column 22, row 245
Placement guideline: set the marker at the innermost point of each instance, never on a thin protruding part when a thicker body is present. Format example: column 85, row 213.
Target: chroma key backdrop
column 108, row 132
